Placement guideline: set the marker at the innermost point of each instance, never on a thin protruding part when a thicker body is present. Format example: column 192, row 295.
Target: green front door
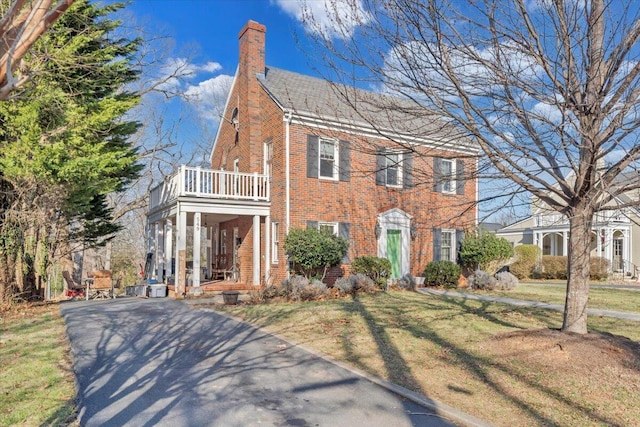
column 394, row 252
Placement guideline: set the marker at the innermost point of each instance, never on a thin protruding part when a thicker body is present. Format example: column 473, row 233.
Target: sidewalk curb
column 439, row 409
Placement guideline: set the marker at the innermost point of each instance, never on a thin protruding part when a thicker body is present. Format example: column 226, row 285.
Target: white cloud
column 334, row 18
column 175, row 71
column 209, row 96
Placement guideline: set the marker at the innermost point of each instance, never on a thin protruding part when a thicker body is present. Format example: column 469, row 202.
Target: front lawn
column 601, row 298
column 36, row 379
column 497, row 362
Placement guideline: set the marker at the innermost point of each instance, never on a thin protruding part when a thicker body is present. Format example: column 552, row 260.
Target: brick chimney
column 251, row 65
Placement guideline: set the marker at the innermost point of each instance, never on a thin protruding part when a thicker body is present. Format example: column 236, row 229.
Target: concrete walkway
column 159, row 362
column 523, row 303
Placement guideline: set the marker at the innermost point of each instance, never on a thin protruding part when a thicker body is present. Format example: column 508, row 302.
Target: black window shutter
column 343, row 231
column 345, row 161
column 380, row 167
column 460, row 180
column 437, row 175
column 312, row 156
column 459, row 239
column 312, row 224
column 407, row 173
column 437, row 244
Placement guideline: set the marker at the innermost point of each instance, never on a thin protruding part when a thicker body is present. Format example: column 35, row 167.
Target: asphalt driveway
column 158, row 362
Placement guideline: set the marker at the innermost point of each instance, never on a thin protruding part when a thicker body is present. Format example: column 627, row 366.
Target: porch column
column 160, row 251
column 196, row 249
column 537, row 236
column 267, row 248
column 151, row 244
column 599, row 241
column 565, row 243
column 256, row 250
column 168, row 249
column 608, row 246
column 181, row 262
column 627, row 252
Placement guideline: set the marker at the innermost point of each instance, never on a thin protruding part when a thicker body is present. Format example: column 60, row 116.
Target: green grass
column 601, row 298
column 36, row 381
column 449, row 349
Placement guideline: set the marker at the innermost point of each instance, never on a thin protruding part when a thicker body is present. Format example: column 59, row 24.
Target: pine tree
column 65, row 143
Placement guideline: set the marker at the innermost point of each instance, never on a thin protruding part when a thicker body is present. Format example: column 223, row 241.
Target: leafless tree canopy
column 547, row 88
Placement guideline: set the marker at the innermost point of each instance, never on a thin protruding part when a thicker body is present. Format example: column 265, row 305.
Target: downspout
column 287, row 175
column 287, row 121
column 477, row 193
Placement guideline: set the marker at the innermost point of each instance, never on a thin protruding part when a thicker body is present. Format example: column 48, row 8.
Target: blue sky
column 205, row 33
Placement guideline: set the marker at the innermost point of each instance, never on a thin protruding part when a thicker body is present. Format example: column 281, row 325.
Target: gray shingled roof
column 314, row 97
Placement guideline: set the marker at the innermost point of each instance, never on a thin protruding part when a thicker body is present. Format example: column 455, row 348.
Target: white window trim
column 453, row 252
column 336, row 159
column 275, row 239
column 267, row 166
column 333, row 225
column 399, row 166
column 452, row 177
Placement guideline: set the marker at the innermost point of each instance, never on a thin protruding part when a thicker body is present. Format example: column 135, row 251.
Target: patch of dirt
column 561, row 351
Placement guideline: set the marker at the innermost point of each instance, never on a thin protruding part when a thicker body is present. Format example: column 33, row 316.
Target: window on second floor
column 268, row 158
column 328, row 158
column 394, row 168
column 448, row 176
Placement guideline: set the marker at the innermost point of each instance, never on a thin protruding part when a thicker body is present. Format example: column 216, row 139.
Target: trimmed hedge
column 527, row 257
column 555, row 267
column 442, row 273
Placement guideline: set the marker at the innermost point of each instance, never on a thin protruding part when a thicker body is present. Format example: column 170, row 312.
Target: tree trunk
column 575, row 311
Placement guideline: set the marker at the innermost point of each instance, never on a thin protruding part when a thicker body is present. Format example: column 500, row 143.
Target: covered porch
column 204, row 231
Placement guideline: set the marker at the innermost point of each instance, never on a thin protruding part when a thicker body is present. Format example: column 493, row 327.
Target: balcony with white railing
column 210, row 184
column 604, row 217
column 550, row 220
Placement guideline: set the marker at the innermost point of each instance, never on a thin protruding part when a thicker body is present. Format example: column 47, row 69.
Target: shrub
column 527, row 257
column 312, row 252
column 485, row 251
column 442, row 273
column 362, row 283
column 483, row 280
column 378, row 269
column 407, row 282
column 506, row 281
column 552, row 267
column 599, row 268
column 343, row 285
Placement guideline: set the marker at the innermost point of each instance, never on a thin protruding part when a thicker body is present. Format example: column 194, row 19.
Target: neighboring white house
column 615, row 235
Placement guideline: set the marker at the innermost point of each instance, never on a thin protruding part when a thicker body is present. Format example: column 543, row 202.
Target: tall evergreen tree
column 65, row 144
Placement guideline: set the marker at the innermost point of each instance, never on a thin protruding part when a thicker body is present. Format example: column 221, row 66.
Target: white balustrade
column 207, row 183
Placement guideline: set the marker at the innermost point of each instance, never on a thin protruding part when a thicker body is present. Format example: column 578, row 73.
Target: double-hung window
column 328, row 227
column 328, row 159
column 393, row 170
column 448, row 173
column 275, row 240
column 449, row 177
column 447, row 245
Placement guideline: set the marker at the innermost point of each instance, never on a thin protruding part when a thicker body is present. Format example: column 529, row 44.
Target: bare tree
column 549, row 90
column 22, row 23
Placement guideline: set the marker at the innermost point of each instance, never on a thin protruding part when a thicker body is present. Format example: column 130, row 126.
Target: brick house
column 289, row 153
